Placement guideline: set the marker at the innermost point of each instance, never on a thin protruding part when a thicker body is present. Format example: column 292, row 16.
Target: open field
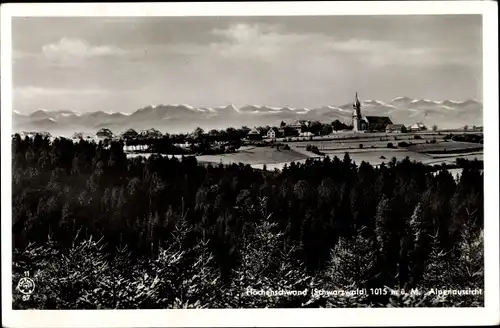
column 374, row 151
column 374, row 156
column 452, row 159
column 372, row 140
column 255, row 155
column 451, row 146
column 364, row 136
column 462, row 155
column 247, row 155
column 354, row 144
column 367, row 155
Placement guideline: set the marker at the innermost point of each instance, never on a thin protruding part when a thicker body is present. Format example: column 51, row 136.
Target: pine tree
column 388, row 239
column 383, row 224
column 436, row 274
column 266, row 265
column 352, row 261
column 469, row 270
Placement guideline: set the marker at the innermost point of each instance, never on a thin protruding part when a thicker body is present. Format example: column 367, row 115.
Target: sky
column 123, row 64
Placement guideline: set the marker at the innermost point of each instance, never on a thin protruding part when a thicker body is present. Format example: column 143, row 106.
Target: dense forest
column 99, row 231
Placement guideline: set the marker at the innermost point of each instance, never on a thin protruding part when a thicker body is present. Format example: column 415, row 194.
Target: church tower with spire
column 356, row 114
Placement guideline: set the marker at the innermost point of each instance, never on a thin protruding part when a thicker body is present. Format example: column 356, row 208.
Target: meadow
column 427, row 148
column 255, row 155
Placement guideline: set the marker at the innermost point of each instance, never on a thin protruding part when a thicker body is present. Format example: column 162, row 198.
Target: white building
column 273, row 133
column 418, row 127
column 306, row 134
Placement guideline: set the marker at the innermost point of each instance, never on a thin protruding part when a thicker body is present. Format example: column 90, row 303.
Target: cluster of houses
column 295, row 128
column 373, row 124
column 401, row 128
column 105, row 133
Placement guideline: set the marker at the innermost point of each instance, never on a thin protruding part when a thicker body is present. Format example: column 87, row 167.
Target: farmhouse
column 254, row 135
column 418, row 127
column 367, row 123
column 104, row 134
column 273, row 133
column 129, row 134
column 151, row 133
column 395, row 128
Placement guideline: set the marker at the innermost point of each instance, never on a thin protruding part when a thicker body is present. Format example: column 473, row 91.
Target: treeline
column 173, row 233
column 198, row 142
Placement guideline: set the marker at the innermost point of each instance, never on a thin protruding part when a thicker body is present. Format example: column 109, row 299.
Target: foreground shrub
column 313, row 149
column 403, row 144
column 88, row 278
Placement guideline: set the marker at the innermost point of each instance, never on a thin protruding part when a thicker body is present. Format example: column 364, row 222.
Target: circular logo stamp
column 26, row 286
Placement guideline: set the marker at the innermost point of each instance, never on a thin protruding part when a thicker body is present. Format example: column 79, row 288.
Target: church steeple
column 356, row 114
column 357, row 107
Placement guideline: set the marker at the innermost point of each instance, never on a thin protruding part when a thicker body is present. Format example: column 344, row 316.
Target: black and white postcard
column 250, row 164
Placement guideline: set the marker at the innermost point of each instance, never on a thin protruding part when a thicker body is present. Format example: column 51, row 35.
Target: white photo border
column 264, row 317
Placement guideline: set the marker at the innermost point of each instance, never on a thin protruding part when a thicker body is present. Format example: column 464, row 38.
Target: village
column 373, row 139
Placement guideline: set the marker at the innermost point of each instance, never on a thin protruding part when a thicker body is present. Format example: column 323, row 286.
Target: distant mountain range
column 185, row 118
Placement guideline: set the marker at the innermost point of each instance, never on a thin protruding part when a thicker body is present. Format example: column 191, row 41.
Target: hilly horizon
column 179, row 118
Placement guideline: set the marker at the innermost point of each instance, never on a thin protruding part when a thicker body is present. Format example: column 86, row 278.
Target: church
column 367, row 123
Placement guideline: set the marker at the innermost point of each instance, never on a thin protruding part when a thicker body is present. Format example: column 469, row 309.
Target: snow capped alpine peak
column 422, row 101
column 401, row 109
column 330, row 107
column 228, row 107
column 400, row 98
column 374, row 102
column 183, row 105
column 273, row 107
column 204, row 109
